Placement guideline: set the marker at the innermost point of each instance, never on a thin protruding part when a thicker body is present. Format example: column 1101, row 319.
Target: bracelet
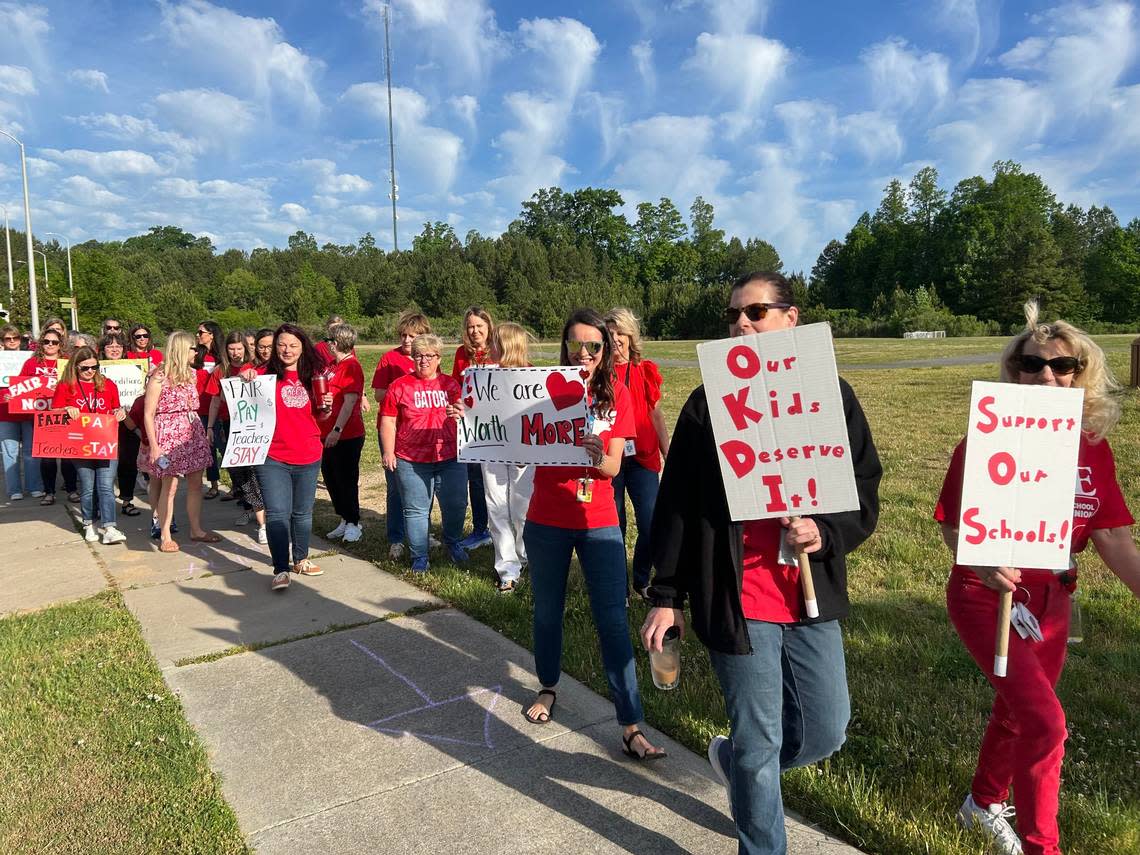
column 336, row 430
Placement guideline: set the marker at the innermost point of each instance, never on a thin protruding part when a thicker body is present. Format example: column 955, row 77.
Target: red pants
column 1025, row 738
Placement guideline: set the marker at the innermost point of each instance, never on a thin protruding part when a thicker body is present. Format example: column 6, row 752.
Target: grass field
column 96, row 757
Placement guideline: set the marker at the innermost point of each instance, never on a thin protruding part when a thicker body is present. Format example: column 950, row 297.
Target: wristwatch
column 336, row 430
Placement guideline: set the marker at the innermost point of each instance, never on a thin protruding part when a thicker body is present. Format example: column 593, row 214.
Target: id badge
column 630, row 448
column 585, row 490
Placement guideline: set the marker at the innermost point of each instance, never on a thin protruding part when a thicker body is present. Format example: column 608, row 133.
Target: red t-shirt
column 424, row 433
column 39, row 365
column 5, row 416
column 136, row 415
column 393, row 365
column 154, row 355
column 644, row 384
column 464, row 361
column 347, row 379
column 296, row 438
column 214, row 390
column 1097, row 502
column 554, row 500
column 770, row 591
column 324, row 351
column 84, row 397
column 202, row 381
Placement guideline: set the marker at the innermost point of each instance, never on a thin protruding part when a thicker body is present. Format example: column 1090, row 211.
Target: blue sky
column 246, row 121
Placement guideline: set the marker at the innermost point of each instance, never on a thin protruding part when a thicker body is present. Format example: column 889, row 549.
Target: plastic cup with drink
column 665, row 665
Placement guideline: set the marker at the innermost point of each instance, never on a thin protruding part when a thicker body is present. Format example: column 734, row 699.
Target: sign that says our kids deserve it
column 777, row 416
column 1019, row 476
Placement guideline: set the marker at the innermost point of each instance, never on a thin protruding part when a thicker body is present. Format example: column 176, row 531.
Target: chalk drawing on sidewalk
column 429, row 704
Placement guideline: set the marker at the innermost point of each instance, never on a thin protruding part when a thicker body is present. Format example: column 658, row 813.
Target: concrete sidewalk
column 371, row 716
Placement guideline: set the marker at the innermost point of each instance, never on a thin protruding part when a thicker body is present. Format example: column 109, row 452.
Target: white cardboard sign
column 524, row 416
column 1019, row 476
column 11, row 361
column 777, row 415
column 253, row 417
column 128, row 375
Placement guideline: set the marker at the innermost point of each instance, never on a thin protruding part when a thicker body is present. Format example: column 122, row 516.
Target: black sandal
column 129, row 509
column 542, row 718
column 647, row 756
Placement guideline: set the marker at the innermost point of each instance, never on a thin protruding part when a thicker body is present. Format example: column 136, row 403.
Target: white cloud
column 215, row 120
column 38, row 168
column 466, row 107
column 133, row 129
column 539, row 126
column 80, row 190
column 294, row 212
column 962, row 19
column 250, row 52
column 642, row 53
column 462, row 34
column 329, row 181
column 742, row 66
column 569, row 48
column 737, row 16
column 22, row 27
column 903, row 78
column 816, row 132
column 428, row 155
column 669, row 156
column 17, row 79
column 119, row 163
column 91, row 78
column 251, row 196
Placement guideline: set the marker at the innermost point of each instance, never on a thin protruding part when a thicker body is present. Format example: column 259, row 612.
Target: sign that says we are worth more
column 777, row 416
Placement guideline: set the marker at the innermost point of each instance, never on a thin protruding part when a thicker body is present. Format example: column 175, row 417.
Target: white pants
column 507, row 488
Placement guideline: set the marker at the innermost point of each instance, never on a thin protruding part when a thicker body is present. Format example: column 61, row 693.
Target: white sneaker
column 994, row 823
column 112, row 535
column 353, row 533
column 243, row 518
column 396, row 551
column 89, row 533
column 337, row 532
column 720, row 752
column 280, row 581
column 15, row 497
column 262, row 537
column 36, row 494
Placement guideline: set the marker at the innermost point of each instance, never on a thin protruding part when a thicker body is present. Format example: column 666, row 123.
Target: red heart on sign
column 564, row 393
column 583, row 373
column 469, row 402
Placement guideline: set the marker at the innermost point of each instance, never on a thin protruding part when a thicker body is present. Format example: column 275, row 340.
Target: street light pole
column 33, row 300
column 70, row 283
column 8, row 247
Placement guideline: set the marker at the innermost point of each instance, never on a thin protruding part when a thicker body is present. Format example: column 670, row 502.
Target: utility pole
column 8, row 247
column 391, row 134
column 33, row 299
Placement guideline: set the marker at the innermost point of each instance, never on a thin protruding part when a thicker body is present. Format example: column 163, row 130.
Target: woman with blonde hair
column 176, row 438
column 1024, row 740
column 641, row 463
column 475, row 351
column 507, row 487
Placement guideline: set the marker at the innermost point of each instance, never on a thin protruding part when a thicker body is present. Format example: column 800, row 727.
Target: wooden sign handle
column 1001, row 645
column 811, row 606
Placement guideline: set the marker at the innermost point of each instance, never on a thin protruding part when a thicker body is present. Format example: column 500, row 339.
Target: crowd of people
column 782, row 673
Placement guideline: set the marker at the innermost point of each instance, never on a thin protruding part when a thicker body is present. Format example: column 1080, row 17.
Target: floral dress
column 179, row 431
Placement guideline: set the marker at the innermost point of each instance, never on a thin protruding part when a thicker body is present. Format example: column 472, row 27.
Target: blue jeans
column 16, row 446
column 393, row 507
column 288, row 490
column 217, row 444
column 601, row 553
column 478, row 498
column 97, row 489
column 788, row 706
column 642, row 485
column 445, row 481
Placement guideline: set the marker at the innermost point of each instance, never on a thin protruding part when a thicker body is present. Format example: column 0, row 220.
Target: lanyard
column 90, row 402
column 628, row 369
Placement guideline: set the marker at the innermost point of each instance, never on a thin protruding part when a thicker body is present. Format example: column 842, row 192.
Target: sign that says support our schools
column 777, row 416
column 253, row 418
column 1019, row 476
column 524, row 416
column 92, row 436
column 129, row 377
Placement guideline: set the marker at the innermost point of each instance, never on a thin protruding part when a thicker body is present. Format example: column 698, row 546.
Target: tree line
column 963, row 261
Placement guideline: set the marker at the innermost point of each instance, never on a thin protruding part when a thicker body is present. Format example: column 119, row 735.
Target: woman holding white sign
column 1024, row 740
column 16, row 431
column 475, row 351
column 572, row 510
column 83, row 389
column 781, row 670
column 52, row 347
column 418, row 442
column 113, row 345
column 176, row 439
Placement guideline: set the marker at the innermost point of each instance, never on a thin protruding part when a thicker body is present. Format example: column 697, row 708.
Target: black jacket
column 698, row 550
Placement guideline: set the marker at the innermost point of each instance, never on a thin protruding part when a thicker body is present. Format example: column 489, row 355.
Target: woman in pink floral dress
column 177, row 441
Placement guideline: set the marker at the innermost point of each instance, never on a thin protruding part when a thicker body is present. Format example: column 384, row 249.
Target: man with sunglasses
column 112, row 325
column 783, row 674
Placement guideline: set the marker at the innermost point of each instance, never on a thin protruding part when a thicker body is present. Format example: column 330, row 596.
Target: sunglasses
column 54, row 341
column 140, row 336
column 754, row 312
column 1061, row 365
column 112, row 329
column 203, row 332
column 94, row 367
column 11, row 338
column 591, row 347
